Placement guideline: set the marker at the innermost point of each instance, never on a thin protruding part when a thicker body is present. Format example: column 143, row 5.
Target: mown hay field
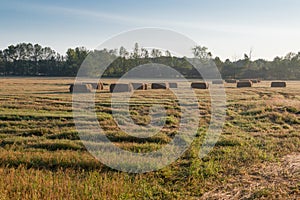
column 42, row 157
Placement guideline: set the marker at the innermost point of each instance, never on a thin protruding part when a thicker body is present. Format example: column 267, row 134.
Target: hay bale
column 120, row 87
column 255, row 81
column 146, row 86
column 245, row 80
column 173, row 85
column 242, row 84
column 163, row 86
column 95, row 86
column 139, row 86
column 200, row 85
column 217, row 82
column 278, row 84
column 81, row 88
column 231, row 81
column 71, row 88
column 100, row 86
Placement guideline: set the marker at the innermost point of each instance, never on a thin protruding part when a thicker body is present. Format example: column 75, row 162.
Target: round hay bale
column 254, row 81
column 245, row 80
column 163, row 86
column 120, row 87
column 100, row 86
column 217, row 82
column 71, row 88
column 173, row 85
column 278, row 84
column 200, row 85
column 243, row 84
column 231, row 81
column 80, row 88
column 139, row 86
column 146, row 86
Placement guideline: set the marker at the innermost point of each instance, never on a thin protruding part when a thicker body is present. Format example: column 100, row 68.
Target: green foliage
column 34, row 60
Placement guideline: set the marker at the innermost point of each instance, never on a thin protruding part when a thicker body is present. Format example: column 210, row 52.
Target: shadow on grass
column 55, row 165
column 158, row 140
column 57, row 146
column 51, row 93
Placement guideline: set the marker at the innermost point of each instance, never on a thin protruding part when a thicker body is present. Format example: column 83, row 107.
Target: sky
column 229, row 28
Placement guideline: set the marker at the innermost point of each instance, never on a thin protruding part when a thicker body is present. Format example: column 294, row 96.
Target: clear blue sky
column 229, row 28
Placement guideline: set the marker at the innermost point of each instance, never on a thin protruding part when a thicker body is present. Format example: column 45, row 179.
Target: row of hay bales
column 249, row 83
column 86, row 87
column 124, row 87
column 239, row 83
column 242, row 80
column 128, row 87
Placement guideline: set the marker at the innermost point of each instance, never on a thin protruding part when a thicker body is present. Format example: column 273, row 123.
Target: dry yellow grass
column 41, row 156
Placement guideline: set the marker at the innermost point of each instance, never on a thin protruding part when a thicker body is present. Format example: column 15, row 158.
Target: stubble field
column 42, row 157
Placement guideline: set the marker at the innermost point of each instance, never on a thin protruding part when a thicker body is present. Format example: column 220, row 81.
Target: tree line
column 26, row 59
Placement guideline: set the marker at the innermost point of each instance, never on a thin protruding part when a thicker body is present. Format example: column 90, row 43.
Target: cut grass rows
column 42, row 157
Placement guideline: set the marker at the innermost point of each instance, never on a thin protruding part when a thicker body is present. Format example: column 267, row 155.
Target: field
column 42, row 157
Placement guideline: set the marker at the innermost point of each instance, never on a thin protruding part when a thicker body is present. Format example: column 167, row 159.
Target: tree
column 2, row 67
column 74, row 59
column 34, row 60
column 113, row 51
column 144, row 53
column 136, row 51
column 123, row 52
column 168, row 53
column 155, row 53
column 37, row 52
column 201, row 53
column 218, row 63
